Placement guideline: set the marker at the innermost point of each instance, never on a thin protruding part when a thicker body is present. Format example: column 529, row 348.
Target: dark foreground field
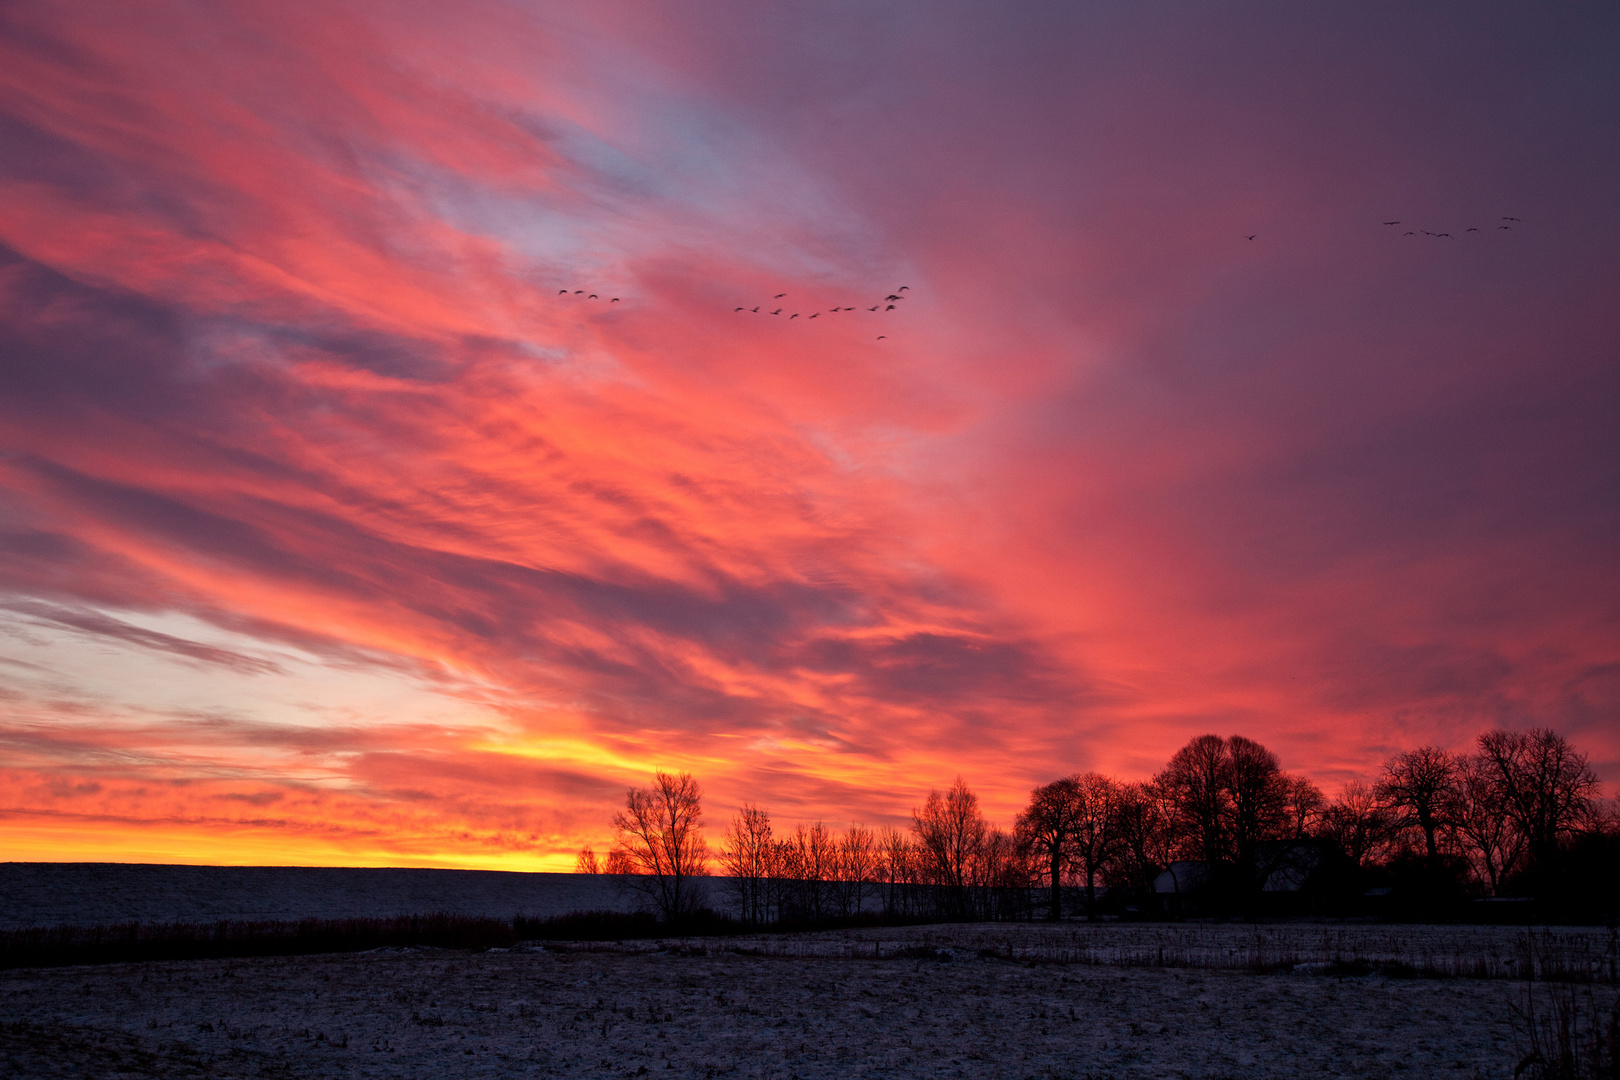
column 924, row 1001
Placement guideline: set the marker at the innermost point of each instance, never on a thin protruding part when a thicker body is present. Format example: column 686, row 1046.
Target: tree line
column 1222, row 822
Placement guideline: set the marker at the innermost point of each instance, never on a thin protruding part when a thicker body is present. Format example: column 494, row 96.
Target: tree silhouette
column 1195, row 787
column 659, row 837
column 1096, row 830
column 1357, row 822
column 1545, row 786
column 1420, row 785
column 748, row 855
column 1493, row 843
column 1047, row 826
column 950, row 832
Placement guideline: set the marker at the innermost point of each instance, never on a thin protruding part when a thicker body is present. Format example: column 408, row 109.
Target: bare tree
column 1420, row 784
column 1493, row 843
column 749, row 857
column 897, row 865
column 1047, row 826
column 1545, row 784
column 1145, row 835
column 950, row 832
column 1357, row 822
column 660, row 835
column 585, row 862
column 1195, row 785
column 1305, row 805
column 1258, row 791
column 1096, row 830
column 855, row 861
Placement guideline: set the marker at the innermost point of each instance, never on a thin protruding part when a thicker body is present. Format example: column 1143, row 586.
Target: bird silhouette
column 779, row 296
column 882, row 337
column 1472, row 229
column 591, row 297
column 892, row 296
column 793, row 316
column 562, row 292
column 1506, row 218
column 778, row 311
column 1391, row 223
column 874, row 307
column 1504, row 226
column 739, row 309
column 615, row 300
column 902, row 288
column 1251, row 237
column 817, row 313
column 1447, row 235
column 889, row 308
column 756, row 311
column 1408, row 234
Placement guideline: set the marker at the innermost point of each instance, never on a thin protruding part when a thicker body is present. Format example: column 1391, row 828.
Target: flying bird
column 739, row 309
column 892, row 296
column 779, row 296
column 578, row 291
column 882, row 337
column 889, row 308
column 1250, row 236
column 1504, row 226
column 778, row 311
column 874, row 307
column 562, row 292
column 817, row 313
column 1472, row 229
column 1447, row 235
column 615, row 300
column 591, row 297
column 756, row 311
column 793, row 316
column 902, row 288
column 1408, row 234
column 1506, row 218
column 1391, row 223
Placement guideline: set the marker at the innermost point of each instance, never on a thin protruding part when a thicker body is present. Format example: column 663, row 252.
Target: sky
column 341, row 525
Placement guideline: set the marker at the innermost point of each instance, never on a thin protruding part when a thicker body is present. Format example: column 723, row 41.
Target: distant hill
column 98, row 894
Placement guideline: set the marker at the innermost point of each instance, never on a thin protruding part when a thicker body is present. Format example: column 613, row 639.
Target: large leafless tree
column 1545, row 784
column 659, row 838
column 1096, row 830
column 950, row 831
column 748, row 854
column 1047, row 827
column 1419, row 785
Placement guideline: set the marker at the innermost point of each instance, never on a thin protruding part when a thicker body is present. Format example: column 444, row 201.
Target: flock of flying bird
column 1448, row 236
column 1426, row 232
column 888, row 303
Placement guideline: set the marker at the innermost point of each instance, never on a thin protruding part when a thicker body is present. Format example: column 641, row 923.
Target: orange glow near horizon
column 331, row 533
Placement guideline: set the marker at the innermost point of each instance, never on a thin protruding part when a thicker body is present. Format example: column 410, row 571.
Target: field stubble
column 977, row 1000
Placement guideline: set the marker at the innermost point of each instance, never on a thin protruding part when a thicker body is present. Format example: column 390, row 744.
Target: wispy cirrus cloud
column 320, row 502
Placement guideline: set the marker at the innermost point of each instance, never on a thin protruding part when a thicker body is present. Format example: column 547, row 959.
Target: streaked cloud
column 328, row 525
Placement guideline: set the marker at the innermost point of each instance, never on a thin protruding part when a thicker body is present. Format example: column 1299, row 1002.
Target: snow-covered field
column 871, row 1003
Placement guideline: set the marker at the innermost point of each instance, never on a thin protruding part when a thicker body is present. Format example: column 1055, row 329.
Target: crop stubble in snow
column 614, row 1012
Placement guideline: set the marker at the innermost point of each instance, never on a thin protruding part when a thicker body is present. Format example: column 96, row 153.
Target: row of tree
column 1509, row 814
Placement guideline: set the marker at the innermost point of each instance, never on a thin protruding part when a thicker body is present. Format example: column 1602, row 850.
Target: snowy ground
column 830, row 1005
